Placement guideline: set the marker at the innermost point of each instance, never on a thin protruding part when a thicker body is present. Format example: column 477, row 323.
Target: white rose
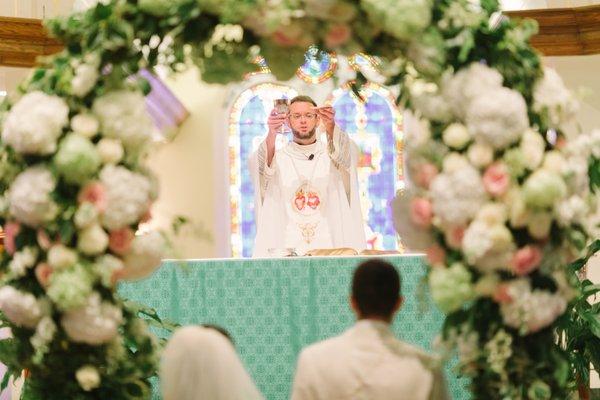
column 85, row 125
column 454, row 162
column 480, row 155
column 35, row 123
column 29, row 197
column 552, row 97
column 539, row 225
column 61, row 257
column 21, row 308
column 469, row 83
column 88, row 378
column 554, row 162
column 95, row 323
column 84, row 80
column 86, row 215
column 457, row 196
column 145, row 256
column 456, row 136
column 493, row 214
column 499, row 118
column 488, row 247
column 532, row 145
column 111, row 151
column 92, row 240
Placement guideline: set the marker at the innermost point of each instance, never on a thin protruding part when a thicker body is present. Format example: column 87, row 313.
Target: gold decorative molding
column 565, row 31
column 22, row 40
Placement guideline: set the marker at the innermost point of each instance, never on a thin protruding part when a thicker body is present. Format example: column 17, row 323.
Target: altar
column 274, row 307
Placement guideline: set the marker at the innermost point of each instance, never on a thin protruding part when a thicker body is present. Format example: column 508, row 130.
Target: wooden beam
column 565, row 31
column 22, row 40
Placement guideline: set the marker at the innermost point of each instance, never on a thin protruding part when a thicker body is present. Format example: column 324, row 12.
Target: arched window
column 247, row 129
column 375, row 126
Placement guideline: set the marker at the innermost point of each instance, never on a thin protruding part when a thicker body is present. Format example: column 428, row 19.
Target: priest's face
column 303, row 119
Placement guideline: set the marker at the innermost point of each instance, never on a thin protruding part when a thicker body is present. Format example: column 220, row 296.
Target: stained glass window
column 375, row 126
column 247, row 129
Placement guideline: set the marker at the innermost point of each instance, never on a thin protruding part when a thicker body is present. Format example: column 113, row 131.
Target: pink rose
column 501, row 294
column 436, row 255
column 43, row 239
column 526, row 260
column 285, row 39
column 94, row 193
column 119, row 241
column 454, row 237
column 11, row 230
column 496, row 179
column 425, row 175
column 337, row 35
column 421, row 212
column 43, row 271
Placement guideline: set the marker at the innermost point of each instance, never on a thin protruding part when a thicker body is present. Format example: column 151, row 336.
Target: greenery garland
column 492, row 136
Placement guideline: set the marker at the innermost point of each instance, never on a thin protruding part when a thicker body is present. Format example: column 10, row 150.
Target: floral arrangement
column 503, row 192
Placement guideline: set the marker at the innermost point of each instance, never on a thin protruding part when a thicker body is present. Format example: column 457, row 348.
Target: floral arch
column 501, row 211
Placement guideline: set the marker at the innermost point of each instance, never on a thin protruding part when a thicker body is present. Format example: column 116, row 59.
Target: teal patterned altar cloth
column 274, row 307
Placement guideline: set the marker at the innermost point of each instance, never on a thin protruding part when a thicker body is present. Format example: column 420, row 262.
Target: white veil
column 201, row 364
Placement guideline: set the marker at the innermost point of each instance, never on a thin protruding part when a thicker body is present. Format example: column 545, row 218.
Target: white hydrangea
column 84, row 80
column 531, row 310
column 499, row 118
column 462, row 88
column 584, row 145
column 94, row 323
column 29, row 197
column 576, row 173
column 123, row 116
column 128, row 196
column 22, row 260
column 488, row 247
column 35, row 123
column 145, row 256
column 571, row 210
column 22, row 309
column 431, row 104
column 457, row 196
column 551, row 96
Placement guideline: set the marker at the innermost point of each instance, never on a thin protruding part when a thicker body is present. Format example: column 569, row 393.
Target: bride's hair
column 200, row 363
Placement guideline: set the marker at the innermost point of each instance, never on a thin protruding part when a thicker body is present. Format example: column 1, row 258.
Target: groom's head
column 376, row 290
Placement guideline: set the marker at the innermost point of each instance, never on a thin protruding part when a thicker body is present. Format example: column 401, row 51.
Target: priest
column 306, row 193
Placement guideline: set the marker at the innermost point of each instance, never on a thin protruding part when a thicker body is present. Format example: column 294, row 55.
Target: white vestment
column 367, row 362
column 308, row 198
